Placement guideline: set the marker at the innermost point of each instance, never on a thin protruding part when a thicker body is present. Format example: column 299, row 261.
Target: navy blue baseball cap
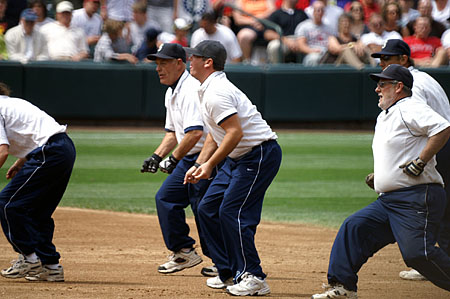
column 169, row 51
column 210, row 49
column 393, row 47
column 395, row 72
column 29, row 15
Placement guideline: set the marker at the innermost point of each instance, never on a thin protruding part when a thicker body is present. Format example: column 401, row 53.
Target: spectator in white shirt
column 377, row 36
column 313, row 36
column 23, row 42
column 330, row 16
column 89, row 20
column 211, row 30
column 441, row 11
column 65, row 42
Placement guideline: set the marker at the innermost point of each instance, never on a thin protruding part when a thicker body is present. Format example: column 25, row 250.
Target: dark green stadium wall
column 290, row 93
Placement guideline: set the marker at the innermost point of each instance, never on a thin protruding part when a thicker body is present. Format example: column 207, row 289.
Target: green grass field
column 321, row 180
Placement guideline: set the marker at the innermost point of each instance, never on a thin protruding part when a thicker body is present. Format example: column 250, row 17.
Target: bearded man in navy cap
column 411, row 201
column 428, row 90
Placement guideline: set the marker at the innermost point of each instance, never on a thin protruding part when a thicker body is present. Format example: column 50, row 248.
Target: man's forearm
column 167, row 144
column 209, row 147
column 189, row 141
column 434, row 145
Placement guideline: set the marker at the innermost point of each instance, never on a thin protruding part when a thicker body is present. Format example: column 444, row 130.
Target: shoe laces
column 17, row 263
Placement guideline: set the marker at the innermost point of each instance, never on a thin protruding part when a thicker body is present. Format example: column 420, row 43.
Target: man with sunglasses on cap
column 411, row 200
column 184, row 137
column 427, row 89
column 230, row 211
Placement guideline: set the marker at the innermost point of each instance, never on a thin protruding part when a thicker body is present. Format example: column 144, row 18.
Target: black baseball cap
column 210, row 49
column 169, row 51
column 395, row 72
column 393, row 47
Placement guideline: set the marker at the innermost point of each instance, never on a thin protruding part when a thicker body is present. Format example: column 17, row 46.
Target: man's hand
column 195, row 174
column 414, row 168
column 168, row 164
column 369, row 180
column 151, row 164
column 15, row 168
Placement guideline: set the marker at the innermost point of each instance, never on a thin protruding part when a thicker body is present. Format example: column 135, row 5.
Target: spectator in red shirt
column 423, row 46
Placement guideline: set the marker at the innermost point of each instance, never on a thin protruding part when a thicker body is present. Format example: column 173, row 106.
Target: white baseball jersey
column 224, row 35
column 92, row 26
column 24, row 127
column 401, row 134
column 182, row 111
column 220, row 99
column 431, row 92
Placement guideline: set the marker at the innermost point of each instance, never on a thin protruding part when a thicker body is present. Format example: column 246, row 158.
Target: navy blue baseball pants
column 443, row 166
column 231, row 210
column 29, row 200
column 171, row 200
column 409, row 216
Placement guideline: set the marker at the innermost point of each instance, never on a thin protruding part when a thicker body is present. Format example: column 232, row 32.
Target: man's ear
column 208, row 63
column 403, row 59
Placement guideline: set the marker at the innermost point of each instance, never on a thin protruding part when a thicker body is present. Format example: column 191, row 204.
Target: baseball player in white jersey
column 38, row 180
column 428, row 90
column 411, row 200
column 185, row 135
column 231, row 208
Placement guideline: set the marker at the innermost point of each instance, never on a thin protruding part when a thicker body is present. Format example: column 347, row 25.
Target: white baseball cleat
column 180, row 260
column 335, row 291
column 48, row 274
column 411, row 275
column 21, row 268
column 249, row 285
column 217, row 283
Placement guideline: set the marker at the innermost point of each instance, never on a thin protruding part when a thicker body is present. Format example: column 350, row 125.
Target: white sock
column 33, row 258
column 186, row 250
column 53, row 266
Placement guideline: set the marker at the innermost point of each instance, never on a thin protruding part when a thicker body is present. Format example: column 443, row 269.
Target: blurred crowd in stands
column 310, row 32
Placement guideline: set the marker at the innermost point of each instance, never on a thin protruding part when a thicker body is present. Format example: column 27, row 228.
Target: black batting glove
column 151, row 164
column 414, row 168
column 369, row 180
column 168, row 164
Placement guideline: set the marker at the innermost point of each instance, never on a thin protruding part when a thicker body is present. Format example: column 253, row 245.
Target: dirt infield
column 115, row 255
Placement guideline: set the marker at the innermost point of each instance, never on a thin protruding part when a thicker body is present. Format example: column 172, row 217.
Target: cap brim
column 193, row 51
column 377, row 77
column 159, row 55
column 378, row 54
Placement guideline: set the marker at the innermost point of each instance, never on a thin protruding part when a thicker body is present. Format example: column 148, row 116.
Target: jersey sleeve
column 220, row 107
column 421, row 120
column 192, row 119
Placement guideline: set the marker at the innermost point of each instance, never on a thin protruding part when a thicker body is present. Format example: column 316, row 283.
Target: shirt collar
column 177, row 85
column 401, row 100
column 205, row 83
